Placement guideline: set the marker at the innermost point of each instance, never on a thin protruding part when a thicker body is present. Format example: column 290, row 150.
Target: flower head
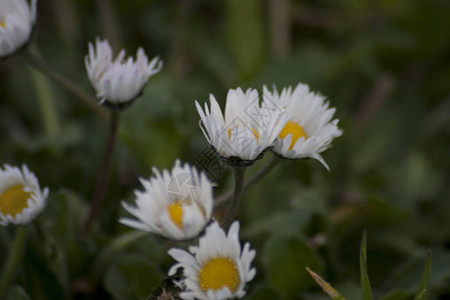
column 21, row 198
column 17, row 18
column 246, row 130
column 176, row 204
column 218, row 268
column 118, row 81
column 310, row 129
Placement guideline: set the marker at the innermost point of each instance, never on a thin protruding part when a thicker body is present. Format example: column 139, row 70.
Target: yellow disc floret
column 14, row 200
column 176, row 213
column 218, row 273
column 3, row 24
column 296, row 130
column 229, row 133
column 255, row 132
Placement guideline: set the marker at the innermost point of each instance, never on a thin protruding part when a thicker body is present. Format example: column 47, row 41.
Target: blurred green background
column 385, row 66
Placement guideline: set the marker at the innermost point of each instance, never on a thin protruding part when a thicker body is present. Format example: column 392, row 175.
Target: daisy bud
column 17, row 18
column 119, row 81
column 218, row 268
column 21, row 198
column 175, row 205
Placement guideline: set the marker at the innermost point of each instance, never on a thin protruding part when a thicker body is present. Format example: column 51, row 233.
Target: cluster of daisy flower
column 178, row 204
column 295, row 124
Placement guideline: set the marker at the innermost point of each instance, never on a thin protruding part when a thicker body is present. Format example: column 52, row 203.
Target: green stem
column 260, row 174
column 105, row 172
column 239, row 175
column 14, row 257
column 35, row 63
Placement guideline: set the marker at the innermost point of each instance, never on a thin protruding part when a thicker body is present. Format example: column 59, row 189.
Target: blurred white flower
column 176, row 204
column 118, row 81
column 21, row 198
column 17, row 18
column 310, row 129
column 248, row 128
column 219, row 268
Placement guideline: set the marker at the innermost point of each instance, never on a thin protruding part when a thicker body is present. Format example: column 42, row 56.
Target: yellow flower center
column 176, row 213
column 296, row 130
column 218, row 273
column 14, row 200
column 3, row 24
column 255, row 132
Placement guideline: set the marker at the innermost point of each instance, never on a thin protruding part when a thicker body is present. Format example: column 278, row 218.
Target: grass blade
column 327, row 288
column 365, row 282
column 424, row 288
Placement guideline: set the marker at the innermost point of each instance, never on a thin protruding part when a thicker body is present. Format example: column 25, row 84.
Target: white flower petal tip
column 247, row 128
column 21, row 198
column 118, row 82
column 17, row 19
column 175, row 205
column 310, row 128
column 219, row 268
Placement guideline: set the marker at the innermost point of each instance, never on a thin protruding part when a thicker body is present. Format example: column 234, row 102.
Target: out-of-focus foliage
column 383, row 64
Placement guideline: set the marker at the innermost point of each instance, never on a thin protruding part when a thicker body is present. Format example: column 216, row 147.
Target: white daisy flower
column 118, row 81
column 248, row 128
column 176, row 204
column 218, row 268
column 21, row 198
column 310, row 129
column 17, row 18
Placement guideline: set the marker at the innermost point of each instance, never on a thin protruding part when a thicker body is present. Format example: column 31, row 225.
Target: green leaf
column 47, row 103
column 327, row 288
column 18, row 293
column 116, row 246
column 424, row 288
column 132, row 277
column 365, row 282
column 42, row 281
column 285, row 259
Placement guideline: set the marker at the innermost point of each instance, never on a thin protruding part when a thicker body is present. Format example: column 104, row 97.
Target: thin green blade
column 327, row 288
column 424, row 288
column 365, row 282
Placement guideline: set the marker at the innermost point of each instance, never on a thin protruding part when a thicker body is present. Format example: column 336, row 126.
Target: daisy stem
column 233, row 205
column 38, row 65
column 260, row 174
column 105, row 172
column 14, row 257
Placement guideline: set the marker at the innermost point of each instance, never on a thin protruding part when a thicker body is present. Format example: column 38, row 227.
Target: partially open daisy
column 118, row 81
column 21, row 198
column 218, row 268
column 175, row 205
column 17, row 18
column 310, row 129
column 246, row 130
